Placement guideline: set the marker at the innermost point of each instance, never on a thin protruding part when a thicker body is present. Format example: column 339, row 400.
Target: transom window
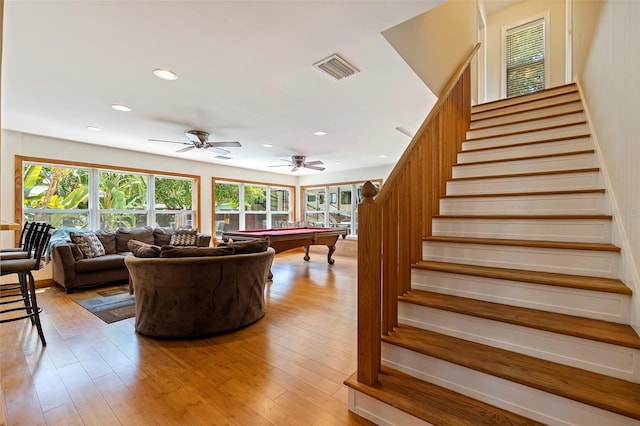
column 102, row 198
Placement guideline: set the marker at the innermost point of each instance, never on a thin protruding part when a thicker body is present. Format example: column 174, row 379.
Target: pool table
column 283, row 239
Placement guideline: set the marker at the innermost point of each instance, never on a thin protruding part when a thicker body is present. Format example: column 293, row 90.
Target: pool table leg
column 306, row 253
column 331, row 250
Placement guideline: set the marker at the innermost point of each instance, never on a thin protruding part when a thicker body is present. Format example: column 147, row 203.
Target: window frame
column 241, row 212
column 94, row 169
column 544, row 17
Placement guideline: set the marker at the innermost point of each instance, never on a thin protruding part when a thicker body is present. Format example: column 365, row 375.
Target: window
column 525, row 58
column 340, row 210
column 89, row 197
column 245, row 205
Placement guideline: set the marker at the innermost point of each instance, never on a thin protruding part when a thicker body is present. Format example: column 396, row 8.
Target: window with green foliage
column 525, row 46
column 77, row 197
column 240, row 206
column 334, row 206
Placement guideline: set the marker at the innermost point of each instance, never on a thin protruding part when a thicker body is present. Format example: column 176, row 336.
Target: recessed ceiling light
column 267, row 145
column 94, row 128
column 383, row 156
column 320, row 133
column 119, row 107
column 165, row 74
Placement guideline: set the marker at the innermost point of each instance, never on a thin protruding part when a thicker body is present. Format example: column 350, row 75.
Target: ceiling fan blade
column 160, row 140
column 280, row 165
column 186, row 149
column 192, row 137
column 295, row 168
column 313, row 163
column 223, row 157
column 216, row 149
column 313, row 167
column 228, row 144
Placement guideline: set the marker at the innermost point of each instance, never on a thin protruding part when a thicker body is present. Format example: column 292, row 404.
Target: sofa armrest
column 203, row 240
column 64, row 266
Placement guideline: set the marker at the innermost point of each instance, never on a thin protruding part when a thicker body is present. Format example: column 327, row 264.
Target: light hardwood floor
column 287, row 368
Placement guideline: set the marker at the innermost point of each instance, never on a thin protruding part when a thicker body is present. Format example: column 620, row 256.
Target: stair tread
column 526, row 243
column 542, row 94
column 609, row 393
column 524, row 111
column 434, row 404
column 531, row 157
column 586, row 328
column 521, row 132
column 515, row 175
column 565, row 138
column 608, row 285
column 527, row 120
column 521, row 194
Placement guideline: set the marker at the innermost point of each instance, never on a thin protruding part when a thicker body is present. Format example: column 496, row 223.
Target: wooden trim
column 522, row 132
column 19, row 161
column 521, row 194
column 532, row 157
column 515, row 175
column 527, row 243
column 565, row 138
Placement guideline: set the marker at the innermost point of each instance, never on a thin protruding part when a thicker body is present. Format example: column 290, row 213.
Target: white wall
column 606, row 63
column 496, row 21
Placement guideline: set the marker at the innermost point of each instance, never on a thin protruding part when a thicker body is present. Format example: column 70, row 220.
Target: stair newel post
column 369, row 285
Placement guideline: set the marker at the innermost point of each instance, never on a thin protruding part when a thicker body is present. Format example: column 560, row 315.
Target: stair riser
column 587, row 354
column 530, row 125
column 562, row 132
column 592, row 203
column 520, row 184
column 534, row 165
column 532, row 101
column 546, row 148
column 577, row 230
column 532, row 403
column 566, row 108
column 380, row 413
column 564, row 261
column 582, row 303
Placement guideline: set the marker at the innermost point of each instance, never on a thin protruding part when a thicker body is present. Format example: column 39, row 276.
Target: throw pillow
column 89, row 244
column 250, row 246
column 171, row 251
column 162, row 236
column 108, row 240
column 184, row 238
column 123, row 235
column 140, row 249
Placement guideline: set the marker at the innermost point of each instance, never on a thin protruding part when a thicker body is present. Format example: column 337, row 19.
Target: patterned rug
column 110, row 304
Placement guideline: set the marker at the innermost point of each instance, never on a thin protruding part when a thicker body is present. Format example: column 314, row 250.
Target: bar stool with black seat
column 19, row 250
column 35, row 245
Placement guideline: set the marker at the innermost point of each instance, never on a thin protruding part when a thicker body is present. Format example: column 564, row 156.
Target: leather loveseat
column 77, row 266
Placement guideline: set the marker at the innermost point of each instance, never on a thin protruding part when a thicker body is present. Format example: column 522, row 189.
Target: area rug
column 110, row 304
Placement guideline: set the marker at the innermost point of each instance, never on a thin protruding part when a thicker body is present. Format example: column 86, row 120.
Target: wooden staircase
column 516, row 314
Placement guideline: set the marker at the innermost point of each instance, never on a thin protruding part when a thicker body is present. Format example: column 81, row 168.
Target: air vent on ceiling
column 336, row 67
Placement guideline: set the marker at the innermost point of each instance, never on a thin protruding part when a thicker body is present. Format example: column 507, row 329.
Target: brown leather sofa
column 203, row 292
column 73, row 270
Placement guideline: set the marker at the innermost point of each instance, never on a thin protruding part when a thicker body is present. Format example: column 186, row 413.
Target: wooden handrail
column 393, row 224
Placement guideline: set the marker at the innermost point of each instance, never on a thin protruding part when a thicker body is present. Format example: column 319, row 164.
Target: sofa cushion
column 108, row 240
column 162, row 236
column 184, row 238
column 140, row 249
column 88, row 243
column 171, row 251
column 250, row 246
column 123, row 235
column 108, row 261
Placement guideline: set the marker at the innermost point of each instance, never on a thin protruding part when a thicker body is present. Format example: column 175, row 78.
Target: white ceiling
column 245, row 74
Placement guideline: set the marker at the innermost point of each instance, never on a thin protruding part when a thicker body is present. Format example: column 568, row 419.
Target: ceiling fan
column 297, row 161
column 200, row 139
